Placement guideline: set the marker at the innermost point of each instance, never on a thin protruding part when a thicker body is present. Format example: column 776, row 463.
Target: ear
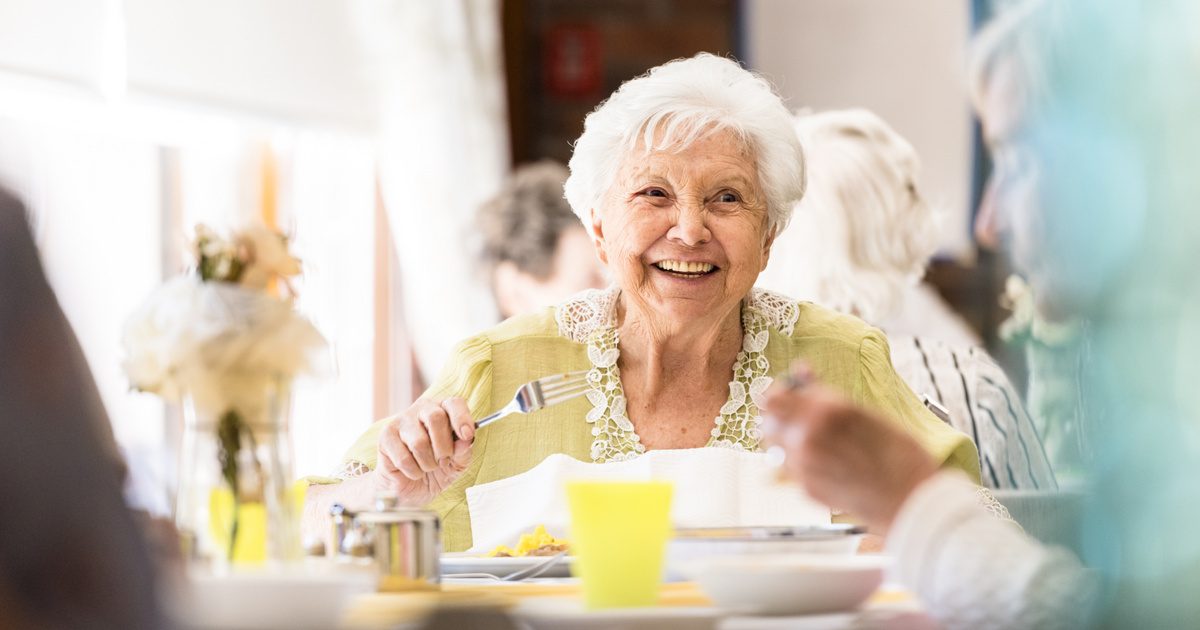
column 767, row 243
column 596, row 231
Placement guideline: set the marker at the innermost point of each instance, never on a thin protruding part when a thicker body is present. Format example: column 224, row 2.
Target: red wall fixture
column 573, row 61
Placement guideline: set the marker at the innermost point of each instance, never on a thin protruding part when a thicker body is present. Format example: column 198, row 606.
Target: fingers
column 395, row 459
column 786, row 393
column 441, row 440
column 799, row 375
column 422, row 439
column 460, row 418
column 462, row 454
column 785, row 405
column 414, row 432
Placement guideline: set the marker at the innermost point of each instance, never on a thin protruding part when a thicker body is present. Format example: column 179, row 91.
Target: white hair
column 863, row 233
column 672, row 106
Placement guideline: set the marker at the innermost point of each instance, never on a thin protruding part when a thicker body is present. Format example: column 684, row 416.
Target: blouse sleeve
column 971, row 570
column 468, row 374
column 881, row 389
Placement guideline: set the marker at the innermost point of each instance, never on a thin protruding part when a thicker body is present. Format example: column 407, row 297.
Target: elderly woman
column 859, row 244
column 682, row 177
column 537, row 250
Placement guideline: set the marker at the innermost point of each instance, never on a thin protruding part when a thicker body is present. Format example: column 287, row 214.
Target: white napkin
column 714, row 487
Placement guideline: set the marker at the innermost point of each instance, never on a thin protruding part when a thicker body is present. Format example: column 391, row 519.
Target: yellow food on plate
column 537, row 543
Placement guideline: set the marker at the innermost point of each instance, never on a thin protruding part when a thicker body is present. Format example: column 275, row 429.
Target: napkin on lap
column 714, row 487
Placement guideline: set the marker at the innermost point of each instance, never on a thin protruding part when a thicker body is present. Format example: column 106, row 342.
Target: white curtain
column 327, row 203
column 444, row 151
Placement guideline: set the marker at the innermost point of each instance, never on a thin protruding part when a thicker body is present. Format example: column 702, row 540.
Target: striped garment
column 982, row 404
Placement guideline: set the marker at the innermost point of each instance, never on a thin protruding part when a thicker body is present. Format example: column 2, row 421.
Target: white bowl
column 267, row 598
column 788, row 585
column 685, row 551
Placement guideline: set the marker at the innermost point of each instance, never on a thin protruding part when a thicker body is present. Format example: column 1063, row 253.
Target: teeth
column 679, row 266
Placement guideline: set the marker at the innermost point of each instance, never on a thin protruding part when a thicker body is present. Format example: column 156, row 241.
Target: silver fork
column 541, row 393
column 527, row 573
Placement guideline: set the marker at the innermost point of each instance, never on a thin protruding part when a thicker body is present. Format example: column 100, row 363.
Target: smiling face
column 684, row 232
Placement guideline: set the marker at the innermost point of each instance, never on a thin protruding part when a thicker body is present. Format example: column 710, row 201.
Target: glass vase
column 235, row 503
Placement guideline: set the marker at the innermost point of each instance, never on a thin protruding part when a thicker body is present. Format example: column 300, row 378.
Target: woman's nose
column 691, row 227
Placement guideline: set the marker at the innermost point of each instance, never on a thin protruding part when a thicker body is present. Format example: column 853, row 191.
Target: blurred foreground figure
column 1105, row 231
column 1008, row 85
column 859, row 243
column 71, row 555
column 537, row 250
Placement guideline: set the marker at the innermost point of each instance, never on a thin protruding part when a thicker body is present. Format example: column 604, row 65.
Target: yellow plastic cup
column 619, row 532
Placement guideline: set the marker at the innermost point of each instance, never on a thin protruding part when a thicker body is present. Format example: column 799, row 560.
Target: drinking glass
column 619, row 532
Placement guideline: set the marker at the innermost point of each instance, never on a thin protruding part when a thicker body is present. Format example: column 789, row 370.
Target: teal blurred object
column 1117, row 138
column 1052, row 517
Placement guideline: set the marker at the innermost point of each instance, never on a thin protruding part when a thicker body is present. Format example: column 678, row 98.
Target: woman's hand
column 419, row 456
column 843, row 455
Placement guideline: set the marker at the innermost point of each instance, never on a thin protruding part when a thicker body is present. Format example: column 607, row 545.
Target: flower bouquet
column 225, row 342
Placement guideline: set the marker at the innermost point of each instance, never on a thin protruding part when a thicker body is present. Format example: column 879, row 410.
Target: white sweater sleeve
column 972, row 570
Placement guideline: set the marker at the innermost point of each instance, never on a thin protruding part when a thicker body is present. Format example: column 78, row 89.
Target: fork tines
column 551, row 390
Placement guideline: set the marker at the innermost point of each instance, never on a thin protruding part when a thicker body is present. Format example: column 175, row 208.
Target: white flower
column 266, row 256
column 221, row 343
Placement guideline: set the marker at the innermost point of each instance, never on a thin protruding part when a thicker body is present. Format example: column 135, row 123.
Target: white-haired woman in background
column 863, row 235
column 859, row 243
column 683, row 177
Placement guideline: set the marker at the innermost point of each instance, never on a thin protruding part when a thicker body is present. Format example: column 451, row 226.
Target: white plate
column 454, row 563
column 790, row 584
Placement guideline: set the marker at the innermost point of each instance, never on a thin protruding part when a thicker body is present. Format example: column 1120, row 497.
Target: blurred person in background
column 860, row 241
column 71, row 553
column 536, row 249
column 1105, row 233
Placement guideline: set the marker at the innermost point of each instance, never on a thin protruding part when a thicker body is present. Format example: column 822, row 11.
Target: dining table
column 545, row 603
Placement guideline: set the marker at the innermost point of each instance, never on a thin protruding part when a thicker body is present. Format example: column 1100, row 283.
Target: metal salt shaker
column 406, row 543
column 341, row 522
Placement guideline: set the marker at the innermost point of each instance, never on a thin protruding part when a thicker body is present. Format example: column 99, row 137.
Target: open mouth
column 681, row 269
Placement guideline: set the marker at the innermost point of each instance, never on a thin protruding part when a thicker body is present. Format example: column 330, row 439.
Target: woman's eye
column 654, row 192
column 728, row 197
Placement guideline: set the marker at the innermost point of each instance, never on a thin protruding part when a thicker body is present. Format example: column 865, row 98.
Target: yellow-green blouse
column 580, row 334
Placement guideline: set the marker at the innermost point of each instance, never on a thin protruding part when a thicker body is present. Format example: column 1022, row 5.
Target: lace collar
column 590, row 318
